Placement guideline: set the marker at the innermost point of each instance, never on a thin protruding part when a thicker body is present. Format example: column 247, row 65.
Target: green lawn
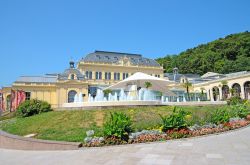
column 72, row 125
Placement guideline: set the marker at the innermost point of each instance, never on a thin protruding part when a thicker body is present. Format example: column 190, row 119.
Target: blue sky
column 38, row 37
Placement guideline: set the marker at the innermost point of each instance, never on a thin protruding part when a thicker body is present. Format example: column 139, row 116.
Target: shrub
column 176, row 120
column 220, row 116
column 118, row 126
column 106, row 92
column 240, row 110
column 32, row 107
column 235, row 100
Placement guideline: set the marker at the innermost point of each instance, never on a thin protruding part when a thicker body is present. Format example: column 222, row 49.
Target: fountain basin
column 100, row 104
column 112, row 103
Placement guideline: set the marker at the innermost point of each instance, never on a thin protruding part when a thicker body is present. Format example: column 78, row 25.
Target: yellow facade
column 57, row 93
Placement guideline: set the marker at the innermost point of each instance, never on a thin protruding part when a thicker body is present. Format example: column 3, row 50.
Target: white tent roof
column 139, row 79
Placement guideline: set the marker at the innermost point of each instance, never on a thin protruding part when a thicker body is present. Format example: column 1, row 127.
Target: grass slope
column 72, row 125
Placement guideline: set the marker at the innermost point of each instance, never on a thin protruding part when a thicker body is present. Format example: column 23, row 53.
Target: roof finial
column 72, row 64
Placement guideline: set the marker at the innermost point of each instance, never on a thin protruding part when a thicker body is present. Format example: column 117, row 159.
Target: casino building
column 101, row 69
column 96, row 70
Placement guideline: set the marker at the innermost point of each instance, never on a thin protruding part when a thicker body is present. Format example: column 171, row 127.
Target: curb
column 10, row 141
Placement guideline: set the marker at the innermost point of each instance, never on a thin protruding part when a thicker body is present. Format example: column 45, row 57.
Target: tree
column 107, row 91
column 224, row 82
column 202, row 93
column 187, row 86
column 148, row 84
column 224, row 55
column 232, row 91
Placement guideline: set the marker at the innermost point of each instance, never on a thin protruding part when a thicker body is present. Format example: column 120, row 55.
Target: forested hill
column 225, row 55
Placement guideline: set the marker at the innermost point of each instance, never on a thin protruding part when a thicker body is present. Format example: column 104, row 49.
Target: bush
column 176, row 120
column 33, row 107
column 220, row 116
column 235, row 100
column 118, row 126
column 240, row 110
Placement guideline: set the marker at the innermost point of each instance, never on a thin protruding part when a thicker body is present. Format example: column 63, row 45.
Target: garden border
column 179, row 139
column 10, row 141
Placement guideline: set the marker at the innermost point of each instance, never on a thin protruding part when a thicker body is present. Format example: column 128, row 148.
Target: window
column 107, row 75
column 125, row 75
column 98, row 56
column 72, row 77
column 71, row 96
column 27, row 95
column 98, row 75
column 88, row 74
column 117, row 76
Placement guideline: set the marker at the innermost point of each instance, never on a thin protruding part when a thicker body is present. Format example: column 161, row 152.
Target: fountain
column 76, row 99
column 109, row 97
column 115, row 97
column 142, row 94
column 80, row 98
column 148, row 95
column 99, row 95
column 167, row 99
column 122, row 96
column 162, row 99
column 184, row 98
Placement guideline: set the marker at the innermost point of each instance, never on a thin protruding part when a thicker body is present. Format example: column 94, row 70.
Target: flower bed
column 151, row 136
column 180, row 124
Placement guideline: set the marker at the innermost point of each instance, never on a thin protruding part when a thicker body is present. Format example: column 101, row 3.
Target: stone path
column 231, row 148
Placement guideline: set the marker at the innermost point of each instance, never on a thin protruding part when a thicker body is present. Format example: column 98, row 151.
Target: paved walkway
column 228, row 148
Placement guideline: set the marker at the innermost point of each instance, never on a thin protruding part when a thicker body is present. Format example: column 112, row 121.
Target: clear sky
column 41, row 36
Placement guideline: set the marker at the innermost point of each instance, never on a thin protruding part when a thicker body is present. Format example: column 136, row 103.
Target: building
column 222, row 86
column 214, row 86
column 96, row 70
column 101, row 69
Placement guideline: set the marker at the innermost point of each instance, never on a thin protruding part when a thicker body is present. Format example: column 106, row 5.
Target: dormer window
column 72, row 77
column 98, row 56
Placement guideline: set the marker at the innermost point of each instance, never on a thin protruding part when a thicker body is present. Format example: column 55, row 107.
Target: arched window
column 236, row 89
column 247, row 90
column 216, row 93
column 225, row 92
column 72, row 77
column 71, row 96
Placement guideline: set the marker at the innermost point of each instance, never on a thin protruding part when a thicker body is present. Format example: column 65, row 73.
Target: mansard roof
column 37, row 79
column 65, row 75
column 116, row 57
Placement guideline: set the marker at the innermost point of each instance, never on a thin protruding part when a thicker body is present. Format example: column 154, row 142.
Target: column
column 211, row 95
column 242, row 93
column 112, row 76
column 207, row 92
column 220, row 93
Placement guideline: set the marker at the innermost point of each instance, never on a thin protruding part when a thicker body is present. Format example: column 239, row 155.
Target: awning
column 139, row 79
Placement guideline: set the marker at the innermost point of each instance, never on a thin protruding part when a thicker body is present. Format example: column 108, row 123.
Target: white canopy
column 139, row 79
